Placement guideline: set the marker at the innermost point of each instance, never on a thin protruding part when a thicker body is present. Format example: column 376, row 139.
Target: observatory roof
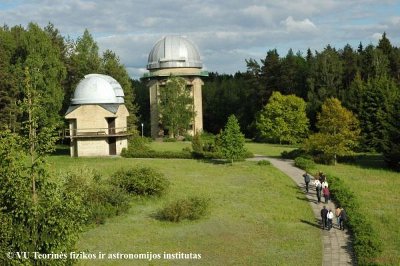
column 174, row 51
column 98, row 89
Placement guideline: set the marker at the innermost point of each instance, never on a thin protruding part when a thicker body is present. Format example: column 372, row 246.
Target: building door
column 111, row 125
column 112, row 142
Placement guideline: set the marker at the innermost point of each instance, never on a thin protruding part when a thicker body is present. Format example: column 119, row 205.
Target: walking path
column 336, row 243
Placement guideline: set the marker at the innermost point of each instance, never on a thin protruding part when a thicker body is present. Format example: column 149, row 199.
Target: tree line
column 365, row 80
column 55, row 65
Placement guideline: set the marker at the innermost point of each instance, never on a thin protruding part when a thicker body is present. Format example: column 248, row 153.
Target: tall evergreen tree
column 42, row 58
column 232, row 140
column 111, row 66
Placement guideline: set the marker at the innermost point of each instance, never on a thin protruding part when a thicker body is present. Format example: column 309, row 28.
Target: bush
column 100, row 198
column 293, row 154
column 263, row 162
column 137, row 143
column 304, row 163
column 366, row 243
column 156, row 154
column 192, row 208
column 169, row 140
column 197, row 144
column 142, row 181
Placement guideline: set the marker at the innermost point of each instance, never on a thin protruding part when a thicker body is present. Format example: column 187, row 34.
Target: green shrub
column 197, row 144
column 169, row 140
column 264, row 162
column 100, row 198
column 304, row 163
column 188, row 137
column 137, row 143
column 293, row 154
column 366, row 243
column 192, row 208
column 143, row 181
column 156, row 154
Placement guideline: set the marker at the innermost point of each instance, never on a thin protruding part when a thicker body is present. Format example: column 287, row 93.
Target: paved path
column 336, row 243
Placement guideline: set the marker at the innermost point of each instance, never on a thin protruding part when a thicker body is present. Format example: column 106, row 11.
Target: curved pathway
column 336, row 243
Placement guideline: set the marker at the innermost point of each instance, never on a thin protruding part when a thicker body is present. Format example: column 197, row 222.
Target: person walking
column 337, row 214
column 326, row 193
column 343, row 219
column 324, row 183
column 324, row 216
column 306, row 180
column 330, row 218
column 318, row 189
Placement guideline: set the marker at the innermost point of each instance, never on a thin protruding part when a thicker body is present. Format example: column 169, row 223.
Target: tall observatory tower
column 175, row 56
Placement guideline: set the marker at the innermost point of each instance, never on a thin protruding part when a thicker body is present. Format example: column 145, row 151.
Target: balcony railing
column 95, row 132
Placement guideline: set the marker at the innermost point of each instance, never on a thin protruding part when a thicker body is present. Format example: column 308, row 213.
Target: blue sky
column 226, row 32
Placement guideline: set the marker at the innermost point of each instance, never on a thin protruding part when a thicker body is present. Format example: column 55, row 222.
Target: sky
column 225, row 32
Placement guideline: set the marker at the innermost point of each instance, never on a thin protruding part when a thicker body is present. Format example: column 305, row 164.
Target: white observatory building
column 175, row 56
column 97, row 117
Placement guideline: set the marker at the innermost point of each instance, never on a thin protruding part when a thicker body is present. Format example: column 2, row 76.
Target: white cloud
column 305, row 25
column 226, row 32
column 376, row 36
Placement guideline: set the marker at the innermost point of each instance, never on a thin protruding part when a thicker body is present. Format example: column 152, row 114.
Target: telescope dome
column 98, row 89
column 174, row 52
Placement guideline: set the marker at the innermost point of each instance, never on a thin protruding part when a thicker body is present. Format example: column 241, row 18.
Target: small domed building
column 97, row 117
column 175, row 56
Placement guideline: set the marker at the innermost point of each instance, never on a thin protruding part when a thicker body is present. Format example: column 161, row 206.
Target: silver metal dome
column 174, row 51
column 98, row 89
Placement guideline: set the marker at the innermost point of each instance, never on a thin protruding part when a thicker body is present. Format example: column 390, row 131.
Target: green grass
column 169, row 146
column 273, row 150
column 378, row 191
column 255, row 216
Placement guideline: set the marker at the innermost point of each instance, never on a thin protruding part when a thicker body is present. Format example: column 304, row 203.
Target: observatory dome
column 98, row 89
column 174, row 52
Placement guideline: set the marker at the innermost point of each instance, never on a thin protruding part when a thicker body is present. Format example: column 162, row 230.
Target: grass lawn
column 255, row 216
column 378, row 191
column 273, row 150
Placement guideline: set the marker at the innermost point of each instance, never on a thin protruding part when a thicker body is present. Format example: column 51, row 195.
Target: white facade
column 97, row 117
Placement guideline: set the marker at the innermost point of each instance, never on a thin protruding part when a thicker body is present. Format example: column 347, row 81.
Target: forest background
column 365, row 79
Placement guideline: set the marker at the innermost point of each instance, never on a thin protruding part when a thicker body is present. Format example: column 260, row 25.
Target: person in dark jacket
column 306, row 180
column 324, row 213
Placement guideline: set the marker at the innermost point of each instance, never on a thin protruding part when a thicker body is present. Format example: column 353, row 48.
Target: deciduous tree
column 176, row 106
column 338, row 131
column 283, row 119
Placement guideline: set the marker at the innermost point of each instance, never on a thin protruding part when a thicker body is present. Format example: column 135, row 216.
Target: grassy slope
column 255, row 217
column 378, row 191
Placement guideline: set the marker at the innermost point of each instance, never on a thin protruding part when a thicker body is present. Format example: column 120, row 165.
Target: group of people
column 322, row 188
column 321, row 185
column 327, row 218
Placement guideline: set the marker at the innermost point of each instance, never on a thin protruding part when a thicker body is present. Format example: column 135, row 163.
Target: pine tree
column 111, row 66
column 232, row 140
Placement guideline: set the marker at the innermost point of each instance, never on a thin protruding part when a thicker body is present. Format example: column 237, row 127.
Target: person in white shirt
column 330, row 218
column 324, row 184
